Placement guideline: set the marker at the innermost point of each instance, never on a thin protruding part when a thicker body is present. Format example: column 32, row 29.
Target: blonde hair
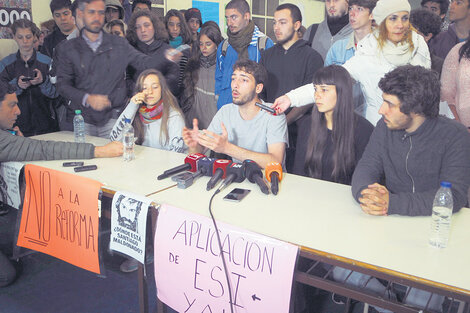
column 169, row 101
column 383, row 35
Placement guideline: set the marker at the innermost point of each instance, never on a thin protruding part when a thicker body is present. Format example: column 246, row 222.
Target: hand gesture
column 281, row 104
column 190, row 136
column 23, row 84
column 138, row 98
column 173, row 55
column 18, row 131
column 217, row 143
column 98, row 102
column 38, row 79
column 375, row 199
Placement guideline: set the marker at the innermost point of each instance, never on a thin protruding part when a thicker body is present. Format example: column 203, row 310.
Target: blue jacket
column 341, row 51
column 224, row 68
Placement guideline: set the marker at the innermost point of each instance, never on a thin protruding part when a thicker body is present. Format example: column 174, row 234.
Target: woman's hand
column 138, row 98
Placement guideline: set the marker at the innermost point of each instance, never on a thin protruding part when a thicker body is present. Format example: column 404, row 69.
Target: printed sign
column 190, row 275
column 128, row 224
column 60, row 216
column 9, row 183
column 11, row 11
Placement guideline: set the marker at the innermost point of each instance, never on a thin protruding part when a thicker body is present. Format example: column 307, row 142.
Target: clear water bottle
column 128, row 140
column 441, row 216
column 79, row 126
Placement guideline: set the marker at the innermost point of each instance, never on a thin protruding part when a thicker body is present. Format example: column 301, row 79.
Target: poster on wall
column 10, row 11
column 209, row 10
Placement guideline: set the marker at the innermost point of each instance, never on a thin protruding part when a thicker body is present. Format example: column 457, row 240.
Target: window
column 263, row 15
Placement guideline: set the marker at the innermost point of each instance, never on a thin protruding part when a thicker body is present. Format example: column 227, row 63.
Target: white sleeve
column 302, row 96
column 175, row 133
column 129, row 112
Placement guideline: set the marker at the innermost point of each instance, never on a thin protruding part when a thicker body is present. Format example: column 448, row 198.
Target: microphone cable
column 221, row 252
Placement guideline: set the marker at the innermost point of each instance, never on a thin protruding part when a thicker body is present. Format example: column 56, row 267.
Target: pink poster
column 190, row 275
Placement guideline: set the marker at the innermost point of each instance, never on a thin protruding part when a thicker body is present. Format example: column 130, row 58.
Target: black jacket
column 158, row 47
column 34, row 102
column 51, row 41
column 81, row 71
column 289, row 69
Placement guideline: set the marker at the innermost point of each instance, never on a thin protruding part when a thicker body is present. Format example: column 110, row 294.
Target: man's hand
column 217, row 143
column 173, row 55
column 18, row 131
column 38, row 79
column 110, row 150
column 190, row 136
column 281, row 104
column 23, row 84
column 98, row 102
column 375, row 199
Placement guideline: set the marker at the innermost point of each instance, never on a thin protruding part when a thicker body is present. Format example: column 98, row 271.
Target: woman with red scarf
column 156, row 117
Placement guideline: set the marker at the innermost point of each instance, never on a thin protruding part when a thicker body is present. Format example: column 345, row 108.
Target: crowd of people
column 357, row 96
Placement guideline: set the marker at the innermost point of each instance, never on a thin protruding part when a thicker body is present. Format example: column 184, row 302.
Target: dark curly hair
column 6, row 89
column 417, row 88
column 425, row 22
column 160, row 30
column 443, row 4
column 251, row 67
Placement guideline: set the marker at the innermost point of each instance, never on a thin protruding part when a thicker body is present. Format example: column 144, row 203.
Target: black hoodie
column 289, row 69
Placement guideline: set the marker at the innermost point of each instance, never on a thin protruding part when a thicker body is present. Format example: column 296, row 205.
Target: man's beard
column 92, row 28
column 245, row 99
column 283, row 41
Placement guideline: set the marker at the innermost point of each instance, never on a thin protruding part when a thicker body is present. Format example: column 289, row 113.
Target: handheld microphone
column 219, row 171
column 206, row 166
column 190, row 163
column 254, row 175
column 235, row 173
column 274, row 175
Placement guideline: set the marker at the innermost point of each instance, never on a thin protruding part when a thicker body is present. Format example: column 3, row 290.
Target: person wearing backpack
column 245, row 41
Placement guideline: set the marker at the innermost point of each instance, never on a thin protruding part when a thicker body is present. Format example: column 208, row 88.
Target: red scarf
column 149, row 115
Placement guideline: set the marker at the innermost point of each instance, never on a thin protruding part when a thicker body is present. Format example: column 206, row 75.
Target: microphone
column 254, row 175
column 219, row 171
column 190, row 163
column 206, row 166
column 235, row 173
column 274, row 175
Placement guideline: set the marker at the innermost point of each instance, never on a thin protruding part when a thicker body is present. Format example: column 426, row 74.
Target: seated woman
column 332, row 139
column 198, row 99
column 159, row 123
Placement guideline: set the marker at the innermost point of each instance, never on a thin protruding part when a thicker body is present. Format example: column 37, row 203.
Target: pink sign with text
column 190, row 275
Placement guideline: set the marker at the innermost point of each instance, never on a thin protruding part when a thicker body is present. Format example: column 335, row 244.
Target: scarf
column 401, row 53
column 209, row 60
column 241, row 40
column 337, row 24
column 149, row 115
column 176, row 42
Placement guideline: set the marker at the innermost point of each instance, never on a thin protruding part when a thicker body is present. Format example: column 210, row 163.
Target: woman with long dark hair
column 158, row 122
column 198, row 99
column 455, row 82
column 332, row 138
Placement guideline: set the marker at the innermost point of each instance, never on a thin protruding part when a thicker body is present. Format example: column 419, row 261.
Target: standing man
column 459, row 16
column 65, row 25
column 438, row 7
column 240, row 129
column 333, row 28
column 245, row 41
column 91, row 70
column 291, row 63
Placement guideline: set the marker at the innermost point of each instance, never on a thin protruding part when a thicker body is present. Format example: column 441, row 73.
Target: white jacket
column 152, row 130
column 367, row 67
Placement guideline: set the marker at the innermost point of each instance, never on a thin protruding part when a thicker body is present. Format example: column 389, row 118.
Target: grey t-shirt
column 255, row 134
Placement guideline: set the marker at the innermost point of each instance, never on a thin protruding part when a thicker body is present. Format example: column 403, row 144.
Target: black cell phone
column 72, row 164
column 266, row 108
column 27, row 79
column 237, row 194
column 85, row 168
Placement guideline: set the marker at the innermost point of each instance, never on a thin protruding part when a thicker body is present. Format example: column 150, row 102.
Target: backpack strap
column 224, row 47
column 262, row 43
column 313, row 31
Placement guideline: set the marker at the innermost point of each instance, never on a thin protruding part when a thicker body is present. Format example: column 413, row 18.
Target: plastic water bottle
column 441, row 216
column 128, row 140
column 79, row 126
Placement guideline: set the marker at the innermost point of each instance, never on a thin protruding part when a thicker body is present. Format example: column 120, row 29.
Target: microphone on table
column 254, row 175
column 235, row 174
column 219, row 171
column 190, row 163
column 273, row 173
column 206, row 166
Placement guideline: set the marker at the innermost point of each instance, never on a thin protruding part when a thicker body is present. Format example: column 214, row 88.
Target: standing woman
column 332, row 139
column 179, row 35
column 153, row 110
column 198, row 99
column 148, row 35
column 393, row 43
column 455, row 82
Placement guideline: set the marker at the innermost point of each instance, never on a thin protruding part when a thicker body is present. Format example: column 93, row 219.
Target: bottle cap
column 446, row 184
column 127, row 120
column 78, row 111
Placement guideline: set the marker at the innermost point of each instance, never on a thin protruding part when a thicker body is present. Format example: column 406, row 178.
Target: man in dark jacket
column 19, row 148
column 91, row 70
column 412, row 149
column 290, row 63
column 65, row 25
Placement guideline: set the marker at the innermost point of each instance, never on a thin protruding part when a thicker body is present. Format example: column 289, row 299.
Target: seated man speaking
column 412, row 149
column 241, row 129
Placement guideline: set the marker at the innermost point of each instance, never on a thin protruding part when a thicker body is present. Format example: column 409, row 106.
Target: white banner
column 9, row 183
column 129, row 224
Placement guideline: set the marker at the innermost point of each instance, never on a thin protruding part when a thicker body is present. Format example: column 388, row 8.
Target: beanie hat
column 386, row 7
column 193, row 12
